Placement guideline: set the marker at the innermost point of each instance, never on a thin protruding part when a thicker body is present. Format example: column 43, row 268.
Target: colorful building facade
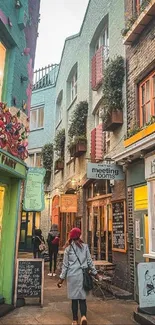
column 18, row 35
column 42, row 117
column 84, row 60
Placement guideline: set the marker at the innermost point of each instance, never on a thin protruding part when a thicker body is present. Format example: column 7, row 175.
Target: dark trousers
column 83, row 308
column 37, row 254
column 51, row 254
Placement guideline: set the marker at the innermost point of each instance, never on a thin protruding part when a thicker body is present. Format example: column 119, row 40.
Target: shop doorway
column 101, row 246
column 29, row 221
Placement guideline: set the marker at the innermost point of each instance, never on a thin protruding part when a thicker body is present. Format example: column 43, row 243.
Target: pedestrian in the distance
column 76, row 257
column 53, row 248
column 38, row 243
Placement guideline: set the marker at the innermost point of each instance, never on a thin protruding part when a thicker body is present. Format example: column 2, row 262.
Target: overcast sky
column 59, row 19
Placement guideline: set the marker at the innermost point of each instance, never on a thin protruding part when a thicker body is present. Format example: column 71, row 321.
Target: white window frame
column 108, row 142
column 35, row 158
column 99, row 43
column 74, row 86
column 33, row 109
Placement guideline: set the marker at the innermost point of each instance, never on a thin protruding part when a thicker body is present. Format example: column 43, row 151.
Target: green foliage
column 112, row 86
column 79, row 120
column 137, row 128
column 59, row 143
column 47, row 156
column 132, row 19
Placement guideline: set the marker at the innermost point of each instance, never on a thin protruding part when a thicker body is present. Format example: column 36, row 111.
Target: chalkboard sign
column 119, row 226
column 29, row 279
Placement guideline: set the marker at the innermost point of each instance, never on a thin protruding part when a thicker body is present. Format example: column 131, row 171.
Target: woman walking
column 53, row 247
column 38, row 241
column 76, row 257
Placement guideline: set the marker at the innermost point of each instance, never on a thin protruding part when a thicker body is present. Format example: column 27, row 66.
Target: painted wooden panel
column 141, row 198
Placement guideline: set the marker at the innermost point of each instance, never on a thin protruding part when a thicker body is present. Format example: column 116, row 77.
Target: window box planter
column 141, row 22
column 113, row 121
column 59, row 165
column 78, row 148
column 140, row 135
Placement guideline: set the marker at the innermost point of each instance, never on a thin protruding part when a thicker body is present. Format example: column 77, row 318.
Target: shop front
column 12, row 172
column 100, row 228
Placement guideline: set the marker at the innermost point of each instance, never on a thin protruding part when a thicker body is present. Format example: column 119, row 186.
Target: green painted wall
column 8, row 242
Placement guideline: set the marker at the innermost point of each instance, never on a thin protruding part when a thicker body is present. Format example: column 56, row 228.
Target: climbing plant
column 112, row 86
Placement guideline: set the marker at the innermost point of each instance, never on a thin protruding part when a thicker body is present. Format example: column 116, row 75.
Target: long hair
column 77, row 241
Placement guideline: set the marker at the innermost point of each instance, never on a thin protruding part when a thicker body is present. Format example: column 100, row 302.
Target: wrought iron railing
column 45, row 77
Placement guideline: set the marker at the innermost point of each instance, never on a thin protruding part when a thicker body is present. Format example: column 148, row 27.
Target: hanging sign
column 146, row 284
column 105, row 171
column 34, row 190
column 68, row 203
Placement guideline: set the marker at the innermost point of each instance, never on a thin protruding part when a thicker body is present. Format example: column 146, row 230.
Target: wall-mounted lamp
column 76, row 185
column 23, row 78
column 129, row 160
column 18, row 4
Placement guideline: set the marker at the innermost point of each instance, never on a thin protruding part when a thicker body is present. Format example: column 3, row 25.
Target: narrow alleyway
column 56, row 309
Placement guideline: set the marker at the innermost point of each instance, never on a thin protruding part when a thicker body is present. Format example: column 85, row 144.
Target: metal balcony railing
column 45, row 77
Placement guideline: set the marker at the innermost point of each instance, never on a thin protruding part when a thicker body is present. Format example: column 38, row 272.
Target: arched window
column 72, row 84
column 59, row 107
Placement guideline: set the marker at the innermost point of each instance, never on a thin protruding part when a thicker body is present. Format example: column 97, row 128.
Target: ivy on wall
column 112, row 86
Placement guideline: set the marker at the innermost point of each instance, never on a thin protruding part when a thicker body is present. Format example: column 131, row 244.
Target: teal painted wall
column 8, row 242
column 136, row 173
column 16, row 40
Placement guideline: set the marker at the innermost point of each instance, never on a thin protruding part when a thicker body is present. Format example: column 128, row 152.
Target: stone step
column 144, row 319
column 5, row 309
column 120, row 293
column 1, row 300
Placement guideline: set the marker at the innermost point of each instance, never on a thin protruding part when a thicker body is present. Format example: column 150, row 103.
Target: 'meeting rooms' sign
column 105, row 171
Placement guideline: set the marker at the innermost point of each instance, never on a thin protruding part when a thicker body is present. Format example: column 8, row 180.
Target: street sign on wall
column 34, row 190
column 105, row 171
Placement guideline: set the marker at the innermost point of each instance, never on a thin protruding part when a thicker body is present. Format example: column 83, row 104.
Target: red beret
column 75, row 233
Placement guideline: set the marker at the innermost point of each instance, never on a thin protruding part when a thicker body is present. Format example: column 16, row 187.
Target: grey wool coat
column 72, row 270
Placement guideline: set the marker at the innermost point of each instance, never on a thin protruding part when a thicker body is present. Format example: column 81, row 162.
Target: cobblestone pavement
column 56, row 310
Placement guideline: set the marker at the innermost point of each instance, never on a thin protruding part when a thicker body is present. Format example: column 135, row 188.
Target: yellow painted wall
column 140, row 198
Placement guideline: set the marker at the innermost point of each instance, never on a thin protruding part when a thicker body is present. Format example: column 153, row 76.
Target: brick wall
column 140, row 62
